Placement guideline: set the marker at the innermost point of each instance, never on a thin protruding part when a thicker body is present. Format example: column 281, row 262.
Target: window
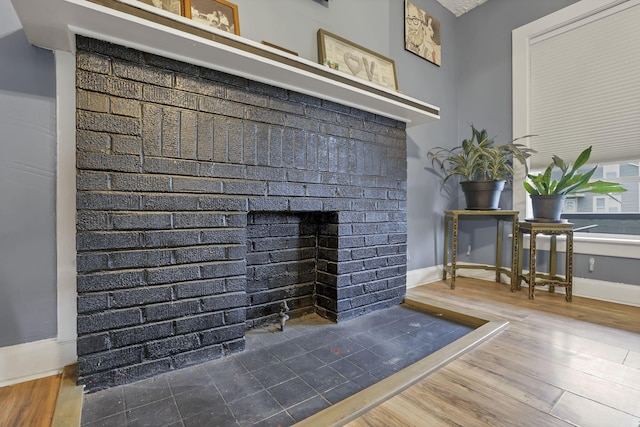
column 597, row 213
column 611, row 172
column 565, row 94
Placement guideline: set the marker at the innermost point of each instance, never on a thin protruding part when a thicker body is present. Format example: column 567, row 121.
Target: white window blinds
column 585, row 90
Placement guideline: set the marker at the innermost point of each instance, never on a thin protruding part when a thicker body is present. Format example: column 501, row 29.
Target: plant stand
column 451, row 219
column 552, row 279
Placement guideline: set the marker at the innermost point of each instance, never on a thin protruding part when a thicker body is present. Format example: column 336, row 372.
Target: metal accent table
column 453, row 217
column 552, row 279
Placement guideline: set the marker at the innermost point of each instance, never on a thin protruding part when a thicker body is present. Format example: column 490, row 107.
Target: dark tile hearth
column 282, row 377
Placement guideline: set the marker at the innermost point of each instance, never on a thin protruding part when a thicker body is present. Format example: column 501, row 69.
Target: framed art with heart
column 348, row 57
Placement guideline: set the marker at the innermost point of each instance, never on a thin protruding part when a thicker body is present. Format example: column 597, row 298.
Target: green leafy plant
column 479, row 159
column 570, row 181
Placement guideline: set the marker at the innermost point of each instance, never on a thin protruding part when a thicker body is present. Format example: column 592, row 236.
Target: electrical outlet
column 469, row 250
column 592, row 264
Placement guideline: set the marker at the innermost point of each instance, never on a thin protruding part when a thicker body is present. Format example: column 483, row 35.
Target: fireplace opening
column 289, row 256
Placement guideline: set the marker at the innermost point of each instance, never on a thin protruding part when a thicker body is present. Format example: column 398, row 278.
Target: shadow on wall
column 16, row 56
column 413, row 149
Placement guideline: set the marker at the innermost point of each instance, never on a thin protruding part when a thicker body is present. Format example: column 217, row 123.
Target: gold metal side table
column 552, row 279
column 451, row 219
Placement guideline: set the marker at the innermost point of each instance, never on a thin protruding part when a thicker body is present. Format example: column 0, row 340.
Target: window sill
column 613, row 245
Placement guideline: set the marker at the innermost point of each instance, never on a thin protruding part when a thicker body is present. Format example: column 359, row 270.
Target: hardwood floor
column 29, row 404
column 557, row 364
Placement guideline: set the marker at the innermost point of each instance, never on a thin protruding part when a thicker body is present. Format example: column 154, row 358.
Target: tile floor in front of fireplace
column 281, row 377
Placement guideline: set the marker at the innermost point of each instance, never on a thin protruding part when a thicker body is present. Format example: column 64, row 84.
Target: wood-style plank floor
column 30, row 403
column 557, row 364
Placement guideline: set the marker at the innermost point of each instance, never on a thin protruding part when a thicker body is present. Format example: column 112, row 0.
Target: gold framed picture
column 348, row 57
column 220, row 14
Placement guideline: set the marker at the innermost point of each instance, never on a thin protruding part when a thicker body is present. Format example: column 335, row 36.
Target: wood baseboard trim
column 68, row 410
column 356, row 405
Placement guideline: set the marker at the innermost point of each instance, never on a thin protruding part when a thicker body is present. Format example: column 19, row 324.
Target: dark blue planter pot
column 482, row 195
column 547, row 208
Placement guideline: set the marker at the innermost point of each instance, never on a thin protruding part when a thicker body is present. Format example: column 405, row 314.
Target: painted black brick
column 171, row 274
column 105, row 281
column 93, row 343
column 140, row 296
column 171, row 238
column 99, row 181
column 108, row 320
column 138, row 259
column 170, row 166
column 140, row 334
column 201, row 322
column 92, row 141
column 140, row 73
column 161, row 250
column 92, row 262
column 171, row 310
column 172, row 345
column 99, row 122
column 224, row 334
column 199, row 254
column 222, row 235
column 115, row 358
column 199, row 288
column 93, row 302
column 222, row 302
column 93, row 62
column 189, row 358
column 107, row 201
column 238, row 315
column 139, row 183
column 140, row 221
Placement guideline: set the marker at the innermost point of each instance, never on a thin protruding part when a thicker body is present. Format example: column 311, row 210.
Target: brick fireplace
column 205, row 200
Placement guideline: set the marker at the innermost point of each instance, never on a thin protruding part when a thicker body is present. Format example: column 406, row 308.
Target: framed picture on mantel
column 220, row 14
column 358, row 61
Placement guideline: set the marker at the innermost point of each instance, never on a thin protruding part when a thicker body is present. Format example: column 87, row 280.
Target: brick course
column 205, row 199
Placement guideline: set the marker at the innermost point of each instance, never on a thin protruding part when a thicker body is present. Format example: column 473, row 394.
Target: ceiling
column 458, row 7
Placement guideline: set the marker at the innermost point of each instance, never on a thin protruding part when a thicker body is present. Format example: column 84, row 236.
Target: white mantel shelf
column 53, row 24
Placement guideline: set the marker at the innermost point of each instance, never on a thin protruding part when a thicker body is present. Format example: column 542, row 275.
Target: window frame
column 572, row 15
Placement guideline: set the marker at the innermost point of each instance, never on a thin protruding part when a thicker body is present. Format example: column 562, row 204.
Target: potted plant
column 484, row 166
column 548, row 193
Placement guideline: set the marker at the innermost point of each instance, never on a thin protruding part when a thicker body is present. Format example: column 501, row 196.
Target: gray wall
column 473, row 85
column 484, row 91
column 27, row 187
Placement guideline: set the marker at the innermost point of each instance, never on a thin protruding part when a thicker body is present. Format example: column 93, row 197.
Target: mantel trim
column 54, row 24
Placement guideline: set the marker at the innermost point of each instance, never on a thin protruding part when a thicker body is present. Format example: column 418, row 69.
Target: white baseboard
column 25, row 362
column 620, row 293
column 421, row 276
